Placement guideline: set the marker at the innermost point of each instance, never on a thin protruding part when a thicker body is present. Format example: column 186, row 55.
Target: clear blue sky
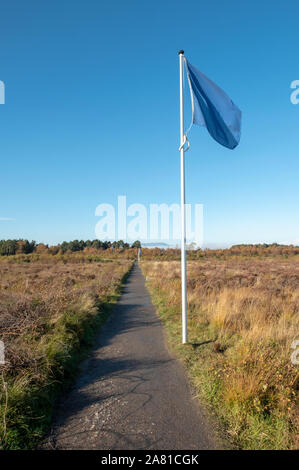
column 92, row 112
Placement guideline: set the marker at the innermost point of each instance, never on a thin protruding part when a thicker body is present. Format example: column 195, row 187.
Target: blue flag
column 212, row 108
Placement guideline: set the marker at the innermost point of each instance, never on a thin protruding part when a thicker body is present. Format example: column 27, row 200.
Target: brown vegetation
column 246, row 310
column 238, row 251
column 48, row 311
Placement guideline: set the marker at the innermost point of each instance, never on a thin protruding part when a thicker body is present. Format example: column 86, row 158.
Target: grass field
column 243, row 317
column 243, row 307
column 50, row 309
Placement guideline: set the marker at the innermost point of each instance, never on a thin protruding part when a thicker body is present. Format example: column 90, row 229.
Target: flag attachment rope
column 185, row 141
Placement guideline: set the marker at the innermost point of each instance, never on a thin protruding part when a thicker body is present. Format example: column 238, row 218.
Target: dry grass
column 248, row 309
column 48, row 312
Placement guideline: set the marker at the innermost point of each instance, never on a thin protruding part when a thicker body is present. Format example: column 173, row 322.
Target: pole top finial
column 181, row 52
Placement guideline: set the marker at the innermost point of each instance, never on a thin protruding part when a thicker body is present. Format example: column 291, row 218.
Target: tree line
column 14, row 247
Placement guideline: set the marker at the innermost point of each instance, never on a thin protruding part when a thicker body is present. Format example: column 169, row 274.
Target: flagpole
column 183, row 213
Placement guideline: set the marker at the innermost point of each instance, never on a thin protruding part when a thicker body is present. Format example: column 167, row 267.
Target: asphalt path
column 132, row 393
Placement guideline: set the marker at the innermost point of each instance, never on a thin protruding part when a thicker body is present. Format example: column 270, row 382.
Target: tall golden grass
column 248, row 309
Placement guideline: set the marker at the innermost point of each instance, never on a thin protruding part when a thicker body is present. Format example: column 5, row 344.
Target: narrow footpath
column 132, row 393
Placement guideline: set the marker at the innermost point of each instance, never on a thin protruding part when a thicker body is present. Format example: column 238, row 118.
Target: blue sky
column 92, row 112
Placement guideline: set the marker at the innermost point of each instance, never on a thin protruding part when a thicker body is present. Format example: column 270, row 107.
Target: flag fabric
column 212, row 108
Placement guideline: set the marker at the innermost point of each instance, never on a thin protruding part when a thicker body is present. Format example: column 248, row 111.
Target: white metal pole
column 183, row 214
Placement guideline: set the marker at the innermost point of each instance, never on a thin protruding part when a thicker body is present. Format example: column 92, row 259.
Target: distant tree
column 53, row 250
column 74, row 245
column 24, row 246
column 82, row 244
column 20, row 246
column 41, row 248
column 64, row 247
column 8, row 247
column 97, row 244
column 136, row 244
